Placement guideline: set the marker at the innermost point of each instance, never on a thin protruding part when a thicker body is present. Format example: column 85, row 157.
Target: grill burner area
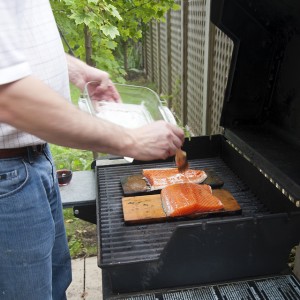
column 122, row 243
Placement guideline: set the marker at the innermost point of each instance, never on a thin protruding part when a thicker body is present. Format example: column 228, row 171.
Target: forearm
column 77, row 71
column 47, row 115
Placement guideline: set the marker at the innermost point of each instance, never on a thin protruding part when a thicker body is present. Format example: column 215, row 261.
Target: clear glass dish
column 134, row 96
column 140, row 106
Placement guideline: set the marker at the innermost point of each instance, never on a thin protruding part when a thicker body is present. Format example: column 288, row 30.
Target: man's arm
column 33, row 107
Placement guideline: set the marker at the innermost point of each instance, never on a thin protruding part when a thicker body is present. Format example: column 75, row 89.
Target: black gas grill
column 258, row 159
column 121, row 243
column 205, row 250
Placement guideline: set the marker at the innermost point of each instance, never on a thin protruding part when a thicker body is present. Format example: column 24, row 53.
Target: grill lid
column 261, row 111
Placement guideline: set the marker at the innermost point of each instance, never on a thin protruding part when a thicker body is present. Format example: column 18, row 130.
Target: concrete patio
column 87, row 280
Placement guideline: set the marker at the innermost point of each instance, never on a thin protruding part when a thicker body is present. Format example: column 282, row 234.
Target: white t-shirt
column 29, row 45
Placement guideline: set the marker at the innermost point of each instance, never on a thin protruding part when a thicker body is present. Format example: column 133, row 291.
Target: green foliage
column 75, row 93
column 99, row 17
column 68, row 158
column 137, row 13
column 108, row 23
column 81, row 235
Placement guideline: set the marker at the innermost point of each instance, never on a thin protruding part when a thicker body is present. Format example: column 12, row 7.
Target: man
column 34, row 256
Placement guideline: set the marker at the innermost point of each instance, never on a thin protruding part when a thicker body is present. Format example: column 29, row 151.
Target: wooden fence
column 188, row 59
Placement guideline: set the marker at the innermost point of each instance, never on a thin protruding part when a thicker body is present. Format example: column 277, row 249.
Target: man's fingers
column 105, row 82
column 107, row 91
column 176, row 138
column 179, row 134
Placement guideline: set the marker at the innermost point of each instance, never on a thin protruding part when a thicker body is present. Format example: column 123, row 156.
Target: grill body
column 203, row 250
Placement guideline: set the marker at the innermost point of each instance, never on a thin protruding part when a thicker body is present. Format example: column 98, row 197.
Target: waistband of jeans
column 23, row 151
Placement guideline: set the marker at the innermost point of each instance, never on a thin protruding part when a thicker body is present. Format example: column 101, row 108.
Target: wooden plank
column 136, row 184
column 140, row 209
column 147, row 209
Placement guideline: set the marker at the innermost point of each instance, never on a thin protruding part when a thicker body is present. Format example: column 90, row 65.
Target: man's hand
column 102, row 87
column 158, row 140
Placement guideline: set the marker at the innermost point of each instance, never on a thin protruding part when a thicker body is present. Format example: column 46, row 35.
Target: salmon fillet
column 188, row 198
column 160, row 178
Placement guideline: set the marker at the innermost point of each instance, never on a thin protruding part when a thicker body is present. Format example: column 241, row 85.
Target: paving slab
column 93, row 279
column 76, row 287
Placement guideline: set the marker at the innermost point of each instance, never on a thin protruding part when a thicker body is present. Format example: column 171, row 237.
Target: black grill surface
column 121, row 243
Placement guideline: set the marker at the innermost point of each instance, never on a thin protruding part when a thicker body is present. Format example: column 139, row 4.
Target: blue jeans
column 35, row 262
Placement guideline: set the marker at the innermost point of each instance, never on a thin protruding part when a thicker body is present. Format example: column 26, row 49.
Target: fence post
column 145, row 52
column 169, row 73
column 208, row 73
column 184, row 59
column 151, row 52
column 158, row 58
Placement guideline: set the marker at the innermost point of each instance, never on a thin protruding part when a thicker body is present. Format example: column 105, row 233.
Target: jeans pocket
column 13, row 176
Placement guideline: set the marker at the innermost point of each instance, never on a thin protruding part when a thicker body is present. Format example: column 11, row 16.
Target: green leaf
column 114, row 11
column 69, row 2
column 111, row 44
column 78, row 17
column 176, row 7
column 110, row 30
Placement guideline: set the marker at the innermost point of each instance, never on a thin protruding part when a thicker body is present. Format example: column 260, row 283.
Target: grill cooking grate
column 120, row 243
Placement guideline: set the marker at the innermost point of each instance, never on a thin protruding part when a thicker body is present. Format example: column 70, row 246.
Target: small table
column 80, row 191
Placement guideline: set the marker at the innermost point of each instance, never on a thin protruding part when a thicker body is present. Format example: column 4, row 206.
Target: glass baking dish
column 140, row 106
